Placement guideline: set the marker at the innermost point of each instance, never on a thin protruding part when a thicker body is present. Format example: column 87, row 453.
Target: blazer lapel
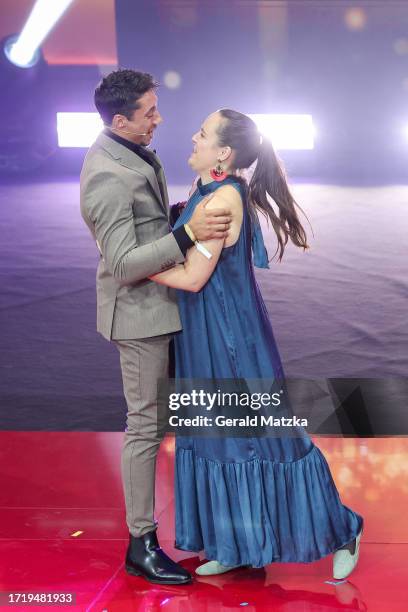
column 132, row 161
column 162, row 181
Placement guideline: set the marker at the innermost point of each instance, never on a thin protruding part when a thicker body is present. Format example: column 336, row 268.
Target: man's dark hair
column 118, row 93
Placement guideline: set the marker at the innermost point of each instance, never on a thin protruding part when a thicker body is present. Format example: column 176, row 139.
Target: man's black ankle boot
column 145, row 558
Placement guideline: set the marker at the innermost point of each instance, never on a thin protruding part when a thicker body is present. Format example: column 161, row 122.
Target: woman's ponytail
column 269, row 179
column 240, row 132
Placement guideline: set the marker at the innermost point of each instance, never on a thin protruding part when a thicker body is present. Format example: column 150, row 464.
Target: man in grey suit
column 124, row 202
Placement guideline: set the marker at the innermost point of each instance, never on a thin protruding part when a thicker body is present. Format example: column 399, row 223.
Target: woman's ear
column 225, row 153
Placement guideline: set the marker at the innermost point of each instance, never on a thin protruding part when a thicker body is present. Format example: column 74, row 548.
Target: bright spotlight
column 287, row 131
column 23, row 50
column 78, row 129
column 8, row 51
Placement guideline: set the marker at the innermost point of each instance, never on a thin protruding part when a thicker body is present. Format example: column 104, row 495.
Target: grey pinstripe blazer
column 121, row 203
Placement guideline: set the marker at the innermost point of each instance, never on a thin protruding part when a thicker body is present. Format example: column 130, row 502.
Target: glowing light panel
column 78, row 129
column 287, row 131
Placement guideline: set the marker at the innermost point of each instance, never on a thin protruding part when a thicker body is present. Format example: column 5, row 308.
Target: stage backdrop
column 337, row 311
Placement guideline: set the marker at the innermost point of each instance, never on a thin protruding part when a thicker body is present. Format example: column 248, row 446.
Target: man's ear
column 118, row 122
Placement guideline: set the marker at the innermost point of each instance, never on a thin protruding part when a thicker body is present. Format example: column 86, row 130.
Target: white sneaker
column 344, row 562
column 211, row 568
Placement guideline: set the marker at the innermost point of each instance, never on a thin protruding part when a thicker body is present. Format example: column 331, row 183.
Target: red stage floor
column 63, row 529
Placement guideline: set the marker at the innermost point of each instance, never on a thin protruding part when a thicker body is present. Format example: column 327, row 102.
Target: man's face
column 144, row 120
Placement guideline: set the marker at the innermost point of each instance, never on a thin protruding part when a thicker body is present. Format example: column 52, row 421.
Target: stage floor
column 62, row 529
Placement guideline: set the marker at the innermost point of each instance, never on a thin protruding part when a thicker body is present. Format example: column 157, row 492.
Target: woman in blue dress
column 246, row 501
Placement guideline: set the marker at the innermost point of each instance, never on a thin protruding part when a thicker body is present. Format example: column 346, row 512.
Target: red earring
column 218, row 174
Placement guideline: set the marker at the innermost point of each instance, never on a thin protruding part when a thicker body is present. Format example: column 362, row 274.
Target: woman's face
column 206, row 151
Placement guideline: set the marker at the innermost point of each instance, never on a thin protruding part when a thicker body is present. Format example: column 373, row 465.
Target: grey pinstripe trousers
column 142, row 362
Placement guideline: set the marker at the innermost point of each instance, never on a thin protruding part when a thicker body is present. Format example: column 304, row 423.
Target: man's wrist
column 183, row 239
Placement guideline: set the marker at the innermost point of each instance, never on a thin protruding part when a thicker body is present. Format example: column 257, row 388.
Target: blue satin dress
column 247, row 501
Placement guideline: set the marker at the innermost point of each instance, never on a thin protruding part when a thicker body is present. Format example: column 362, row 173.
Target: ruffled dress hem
column 260, row 511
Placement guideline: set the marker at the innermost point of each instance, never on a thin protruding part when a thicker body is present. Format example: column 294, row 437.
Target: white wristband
column 203, row 250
